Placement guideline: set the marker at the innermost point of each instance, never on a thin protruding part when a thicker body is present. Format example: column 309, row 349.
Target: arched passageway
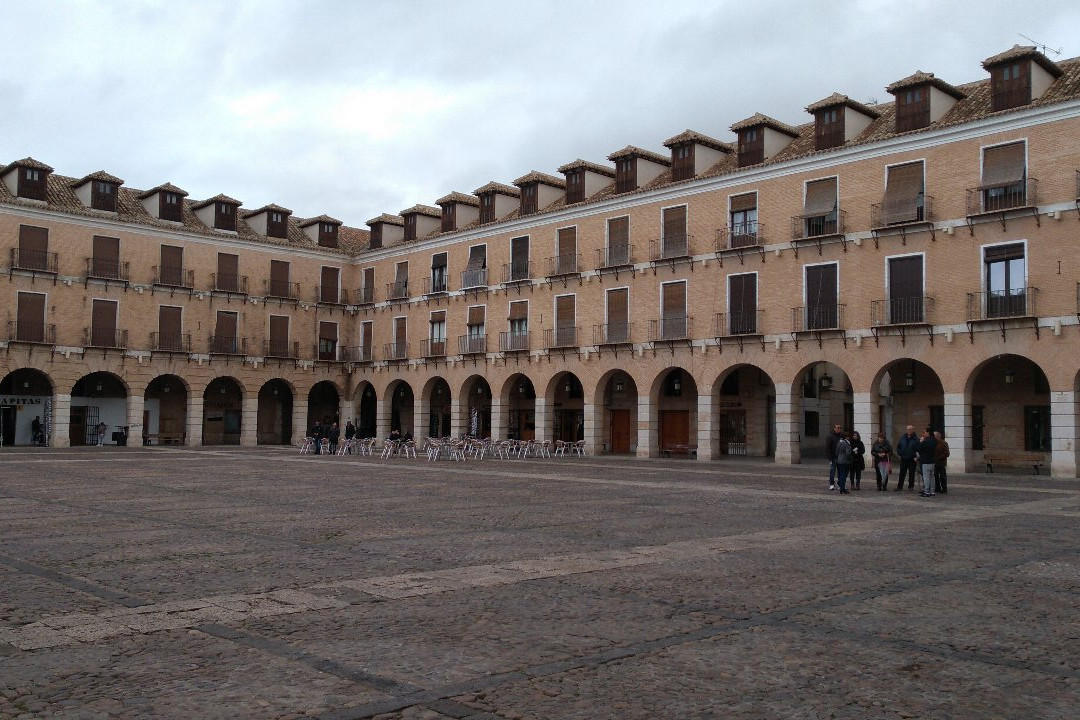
column 744, row 413
column 908, row 392
column 275, row 413
column 1010, row 411
column 476, row 404
column 568, row 407
column 676, row 402
column 99, row 397
column 619, row 419
column 827, row 399
column 222, row 412
column 401, row 407
column 324, row 404
column 519, row 397
column 26, row 395
column 439, row 408
column 366, row 404
column 165, row 405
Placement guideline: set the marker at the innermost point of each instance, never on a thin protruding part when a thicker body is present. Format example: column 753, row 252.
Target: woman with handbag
column 882, row 452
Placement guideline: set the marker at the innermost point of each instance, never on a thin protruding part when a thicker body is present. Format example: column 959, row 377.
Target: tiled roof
column 499, row 188
column 353, row 240
column 921, row 78
column 1024, row 52
column 690, row 136
column 631, row 151
column 422, row 210
column 268, row 208
column 838, row 99
column 540, row 177
column 166, row 187
column 586, row 165
column 757, row 119
column 99, row 175
column 31, row 163
column 217, row 199
column 457, row 197
column 388, row 219
column 319, row 219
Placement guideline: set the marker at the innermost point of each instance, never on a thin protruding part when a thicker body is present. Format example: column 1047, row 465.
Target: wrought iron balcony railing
column 901, row 311
column 734, row 324
column 562, row 337
column 229, row 283
column 996, row 198
column 331, row 295
column 563, row 265
column 365, row 296
column 102, row 269
column 516, row 272
column 1000, row 304
column 809, row 227
column 326, row 352
column 35, row 260
column 397, row 290
column 433, row 348
column 359, row 354
column 671, row 247
column 472, row 344
column 474, row 278
column 170, row 342
column 613, row 334
column 614, row 256
column 105, row 338
column 26, row 331
column 739, row 235
column 920, row 211
column 282, row 290
column 176, row 277
column 436, row 285
column 515, row 341
column 670, row 327
column 281, row 349
column 809, row 318
column 226, row 345
column 396, row 351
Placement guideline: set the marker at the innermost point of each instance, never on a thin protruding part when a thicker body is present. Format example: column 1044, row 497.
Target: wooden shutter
column 673, row 299
column 519, row 256
column 172, row 257
column 103, row 323
column 1000, row 253
column 33, row 241
column 820, row 197
column 400, row 330
column 906, row 277
column 225, row 327
column 565, row 311
column 519, row 310
column 369, row 281
column 567, row 242
column 328, row 330
column 742, row 290
column 439, row 316
column 30, row 320
column 279, row 272
column 741, row 203
column 618, row 232
column 821, row 291
column 279, row 332
column 477, row 314
column 228, row 268
column 401, row 274
column 477, row 258
column 618, row 308
column 330, row 284
column 169, row 323
column 438, row 260
column 365, row 338
column 106, row 256
column 1003, row 165
column 902, row 189
column 675, row 224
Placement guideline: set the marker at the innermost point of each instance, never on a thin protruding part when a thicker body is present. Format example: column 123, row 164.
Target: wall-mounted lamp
column 99, row 387
column 275, row 391
column 521, row 389
column 1010, row 377
column 26, row 384
column 567, row 388
column 618, row 386
column 677, row 385
column 909, row 380
column 165, row 389
column 826, row 381
column 479, row 389
column 222, row 391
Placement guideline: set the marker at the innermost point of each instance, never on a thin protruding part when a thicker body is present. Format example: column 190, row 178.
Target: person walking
column 927, row 452
column 101, row 427
column 844, row 457
column 333, row 435
column 317, row 434
column 830, row 452
column 906, row 448
column 941, row 456
column 858, row 460
column 882, row 453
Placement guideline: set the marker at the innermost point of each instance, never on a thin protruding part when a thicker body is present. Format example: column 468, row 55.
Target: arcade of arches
column 1004, row 405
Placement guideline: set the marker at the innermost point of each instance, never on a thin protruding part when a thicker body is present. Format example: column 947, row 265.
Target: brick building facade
column 909, row 262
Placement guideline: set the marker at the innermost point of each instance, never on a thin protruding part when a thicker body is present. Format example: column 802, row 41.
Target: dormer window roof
column 28, row 178
column 635, row 167
column 1018, row 76
column 385, row 229
column 323, row 229
column 458, row 209
column 839, row 119
column 270, row 220
column 922, row 99
column 693, row 153
column 584, row 179
column 169, row 200
column 420, row 220
column 538, row 190
column 761, row 137
column 496, row 200
column 98, row 190
column 218, row 212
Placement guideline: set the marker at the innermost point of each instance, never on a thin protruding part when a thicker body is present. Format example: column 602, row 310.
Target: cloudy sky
column 363, row 107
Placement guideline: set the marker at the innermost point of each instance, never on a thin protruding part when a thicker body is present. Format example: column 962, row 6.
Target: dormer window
column 912, row 109
column 625, row 175
column 575, row 186
column 170, row 206
column 410, row 227
column 829, row 128
column 528, row 199
column 32, row 184
column 751, row 146
column 103, row 195
column 328, row 235
column 449, row 219
column 276, row 224
column 224, row 217
column 682, row 162
column 487, row 207
column 1010, row 85
column 375, row 239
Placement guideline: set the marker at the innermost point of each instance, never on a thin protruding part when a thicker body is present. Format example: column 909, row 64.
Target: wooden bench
column 1014, row 459
column 176, row 438
column 685, row 450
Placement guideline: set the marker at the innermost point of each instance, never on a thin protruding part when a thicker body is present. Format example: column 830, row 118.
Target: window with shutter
column 519, row 258
column 30, row 317
column 743, row 218
column 742, row 304
column 277, row 225
column 279, row 279
column 912, row 109
column 367, row 290
column 575, row 186
column 618, row 316
column 449, row 217
column 171, row 271
column 169, row 206
column 528, row 198
column 328, row 340
column 103, row 323
column 33, row 248
column 32, row 184
column 819, row 208
column 674, row 242
column 906, row 289
column 170, row 328
column 565, row 321
column 225, row 217
column 106, row 260
column 103, row 195
column 682, row 162
column 618, row 241
column 366, row 340
column 438, row 272
column 625, row 175
column 279, row 336
column 225, row 339
column 329, row 290
column 1010, row 85
column 903, row 200
column 487, row 207
column 751, row 146
column 1003, row 175
column 475, row 274
column 401, row 281
column 375, row 237
column 829, row 128
column 673, row 319
column 228, row 269
column 401, row 327
column 821, row 297
column 566, row 251
column 1005, row 280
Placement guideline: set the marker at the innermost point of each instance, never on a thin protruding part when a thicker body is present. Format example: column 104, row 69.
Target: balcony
column 614, row 258
column 281, row 349
column 229, row 283
column 817, row 228
column 282, row 290
column 516, row 272
column 35, row 261
column 738, row 326
column 327, row 351
column 107, row 270
column 170, row 342
column 1002, row 201
column 433, row 348
column 670, row 328
column 331, row 295
column 611, row 334
column 902, row 315
column 817, row 320
column 396, row 351
column 174, row 277
column 358, row 354
column 671, row 249
column 738, row 239
column 106, row 338
column 31, row 333
column 474, row 279
column 1002, row 304
column 397, row 290
column 435, row 286
column 563, row 337
column 365, row 296
column 515, row 342
column 888, row 219
column 472, row 344
column 562, row 265
column 226, row 345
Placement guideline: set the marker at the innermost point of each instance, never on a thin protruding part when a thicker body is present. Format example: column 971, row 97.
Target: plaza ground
column 256, row 583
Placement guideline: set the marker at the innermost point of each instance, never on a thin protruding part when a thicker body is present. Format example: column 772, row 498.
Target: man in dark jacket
column 317, row 434
column 333, row 434
column 830, row 452
column 350, row 433
column 906, row 448
column 927, row 451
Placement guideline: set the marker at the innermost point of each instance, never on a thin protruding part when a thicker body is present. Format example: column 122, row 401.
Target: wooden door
column 622, row 431
column 77, row 430
column 674, row 428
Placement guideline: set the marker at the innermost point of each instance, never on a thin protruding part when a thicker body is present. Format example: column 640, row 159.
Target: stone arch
column 825, row 397
column 366, row 405
column 98, row 397
column 275, row 414
column 223, row 410
column 324, row 404
column 475, row 406
column 742, row 413
column 165, row 410
column 673, row 412
column 436, row 407
column 398, row 404
column 518, row 398
column 565, row 397
column 1007, row 401
column 904, row 392
column 29, row 395
column 616, row 394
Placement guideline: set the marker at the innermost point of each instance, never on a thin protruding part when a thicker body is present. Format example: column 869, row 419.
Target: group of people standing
column 929, row 453
column 332, row 434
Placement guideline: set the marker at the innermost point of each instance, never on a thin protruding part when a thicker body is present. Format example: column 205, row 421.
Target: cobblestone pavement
column 237, row 583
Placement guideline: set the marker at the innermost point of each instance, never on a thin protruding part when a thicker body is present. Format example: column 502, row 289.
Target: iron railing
column 359, row 354
column 515, row 342
column 331, row 295
column 563, row 265
column 226, row 345
column 105, row 338
column 472, row 344
column 474, row 278
column 561, row 337
column 615, row 256
column 365, row 296
column 808, row 227
column 436, row 285
column 516, row 272
column 670, row 327
column 995, row 198
column 397, row 290
column 282, row 289
column 433, row 348
column 671, row 247
column 102, row 269
column 170, row 342
column 739, row 235
column 613, row 334
column 998, row 304
column 808, row 318
column 36, row 260
column 741, row 322
column 324, row 354
column 901, row 311
column 26, row 331
column 174, row 277
column 281, row 349
column 921, row 211
column 396, row 351
column 229, row 283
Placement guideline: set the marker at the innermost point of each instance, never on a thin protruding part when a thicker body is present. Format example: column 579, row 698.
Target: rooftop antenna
column 1042, row 47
